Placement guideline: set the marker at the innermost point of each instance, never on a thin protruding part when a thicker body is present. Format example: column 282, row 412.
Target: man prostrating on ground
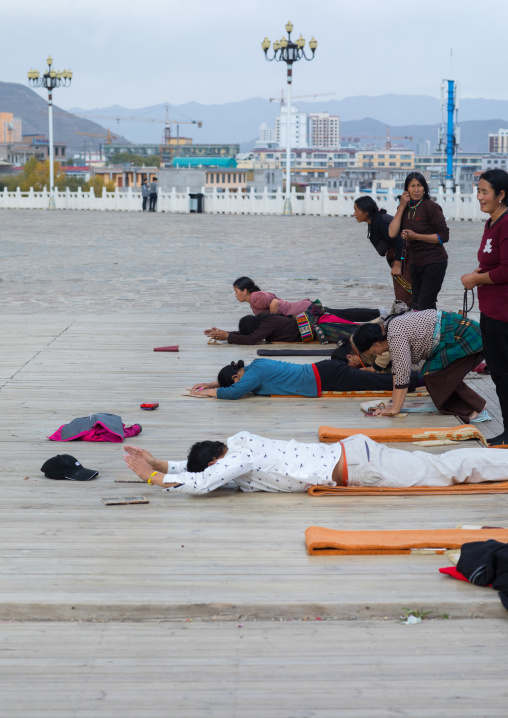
column 254, row 463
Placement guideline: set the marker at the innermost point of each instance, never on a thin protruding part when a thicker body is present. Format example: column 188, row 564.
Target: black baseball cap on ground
column 65, row 466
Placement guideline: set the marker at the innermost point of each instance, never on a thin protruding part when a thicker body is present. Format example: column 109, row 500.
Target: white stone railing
column 455, row 205
column 116, row 201
column 340, row 204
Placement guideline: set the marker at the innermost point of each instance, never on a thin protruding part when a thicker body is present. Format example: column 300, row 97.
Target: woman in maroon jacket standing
column 491, row 278
column 422, row 225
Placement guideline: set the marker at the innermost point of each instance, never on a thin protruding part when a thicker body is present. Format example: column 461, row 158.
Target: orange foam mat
column 322, row 541
column 487, row 487
column 463, row 432
column 347, row 395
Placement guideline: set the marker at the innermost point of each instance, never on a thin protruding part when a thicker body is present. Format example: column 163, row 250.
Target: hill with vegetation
column 32, row 108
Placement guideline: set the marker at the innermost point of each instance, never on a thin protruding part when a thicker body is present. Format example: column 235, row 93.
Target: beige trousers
column 373, row 464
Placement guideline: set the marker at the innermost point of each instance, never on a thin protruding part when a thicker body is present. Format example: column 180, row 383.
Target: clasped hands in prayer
column 215, row 333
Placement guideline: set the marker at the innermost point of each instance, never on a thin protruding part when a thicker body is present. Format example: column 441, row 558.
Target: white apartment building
column 498, row 141
column 304, row 160
column 267, row 136
column 299, row 127
column 495, row 162
column 317, row 129
column 391, row 159
column 324, row 130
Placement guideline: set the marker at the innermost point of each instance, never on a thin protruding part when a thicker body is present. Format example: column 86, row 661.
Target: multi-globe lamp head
column 51, row 78
column 287, row 50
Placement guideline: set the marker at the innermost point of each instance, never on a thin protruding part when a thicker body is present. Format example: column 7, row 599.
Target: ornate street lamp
column 287, row 51
column 50, row 80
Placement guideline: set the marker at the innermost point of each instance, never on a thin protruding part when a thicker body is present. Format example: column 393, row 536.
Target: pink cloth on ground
column 98, row 433
column 333, row 319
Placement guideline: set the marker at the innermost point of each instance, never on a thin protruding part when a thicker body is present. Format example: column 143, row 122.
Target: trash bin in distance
column 196, row 203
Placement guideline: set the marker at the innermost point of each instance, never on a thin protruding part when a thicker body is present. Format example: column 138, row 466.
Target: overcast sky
column 136, row 54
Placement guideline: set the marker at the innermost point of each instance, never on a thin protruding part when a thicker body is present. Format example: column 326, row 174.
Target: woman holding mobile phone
column 422, row 225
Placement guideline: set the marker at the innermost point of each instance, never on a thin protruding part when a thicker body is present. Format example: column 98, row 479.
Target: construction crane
column 167, row 122
column 388, row 139
column 300, row 97
column 109, row 137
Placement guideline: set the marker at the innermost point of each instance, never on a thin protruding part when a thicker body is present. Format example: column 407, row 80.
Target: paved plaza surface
column 109, row 262
column 209, row 606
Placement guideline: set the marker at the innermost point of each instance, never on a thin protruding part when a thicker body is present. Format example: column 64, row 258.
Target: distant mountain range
column 416, row 116
column 408, row 109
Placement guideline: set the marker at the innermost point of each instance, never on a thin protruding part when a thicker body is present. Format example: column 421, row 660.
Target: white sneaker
column 482, row 416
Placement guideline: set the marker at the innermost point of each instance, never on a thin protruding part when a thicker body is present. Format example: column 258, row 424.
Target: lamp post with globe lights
column 288, row 51
column 50, row 79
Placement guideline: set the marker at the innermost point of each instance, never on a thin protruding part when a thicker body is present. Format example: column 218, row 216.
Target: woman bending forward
column 450, row 345
column 378, row 222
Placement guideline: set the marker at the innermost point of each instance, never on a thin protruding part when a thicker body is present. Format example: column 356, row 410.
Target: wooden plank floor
column 161, row 609
column 65, row 555
column 288, row 669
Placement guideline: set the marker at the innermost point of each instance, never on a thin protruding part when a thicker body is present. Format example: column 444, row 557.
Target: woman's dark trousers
column 495, row 349
column 426, row 283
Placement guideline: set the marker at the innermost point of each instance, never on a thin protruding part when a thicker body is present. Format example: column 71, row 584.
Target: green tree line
column 36, row 174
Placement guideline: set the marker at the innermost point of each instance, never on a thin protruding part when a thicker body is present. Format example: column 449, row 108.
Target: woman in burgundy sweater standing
column 491, row 278
column 422, row 225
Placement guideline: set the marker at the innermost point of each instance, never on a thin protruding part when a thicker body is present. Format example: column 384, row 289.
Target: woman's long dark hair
column 421, row 179
column 226, row 374
column 367, row 204
column 246, row 283
column 250, row 322
column 366, row 335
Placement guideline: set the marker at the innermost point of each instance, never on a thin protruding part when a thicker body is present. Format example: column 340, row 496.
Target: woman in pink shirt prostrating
column 268, row 303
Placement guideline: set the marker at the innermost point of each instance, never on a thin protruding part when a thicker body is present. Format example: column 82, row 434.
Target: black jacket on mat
column 484, row 563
